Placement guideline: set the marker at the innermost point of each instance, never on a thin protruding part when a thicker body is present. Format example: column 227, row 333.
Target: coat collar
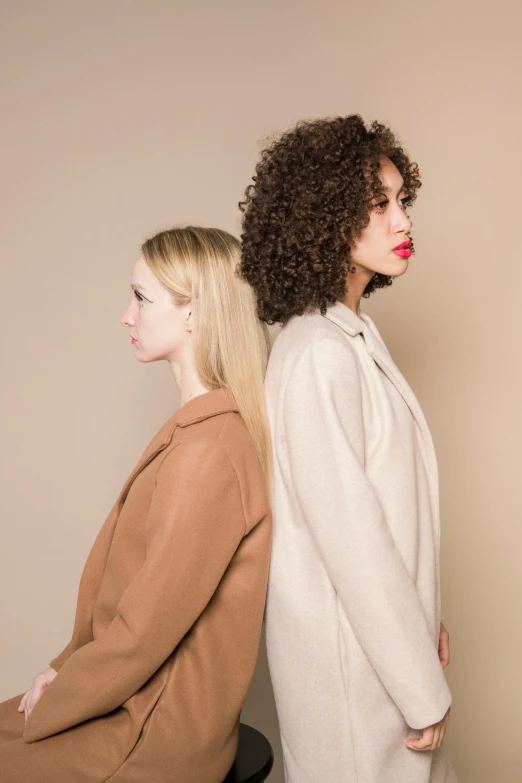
column 342, row 316
column 203, row 406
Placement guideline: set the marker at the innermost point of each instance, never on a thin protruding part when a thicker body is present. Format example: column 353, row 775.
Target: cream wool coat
column 169, row 614
column 353, row 612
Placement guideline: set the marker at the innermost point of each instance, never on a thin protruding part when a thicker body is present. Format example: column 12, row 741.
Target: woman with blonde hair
column 171, row 600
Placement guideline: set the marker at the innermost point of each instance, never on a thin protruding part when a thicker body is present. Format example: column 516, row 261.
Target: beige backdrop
column 121, row 117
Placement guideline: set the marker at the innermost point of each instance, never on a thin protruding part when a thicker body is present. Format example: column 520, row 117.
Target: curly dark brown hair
column 310, row 200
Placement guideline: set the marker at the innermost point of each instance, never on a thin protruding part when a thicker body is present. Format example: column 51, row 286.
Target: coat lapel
column 378, row 351
column 344, row 317
column 162, row 439
column 380, row 354
column 201, row 407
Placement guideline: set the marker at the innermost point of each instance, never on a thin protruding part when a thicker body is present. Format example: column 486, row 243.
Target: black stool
column 254, row 758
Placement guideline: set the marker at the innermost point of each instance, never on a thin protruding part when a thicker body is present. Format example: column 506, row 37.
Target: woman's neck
column 355, row 287
column 187, row 379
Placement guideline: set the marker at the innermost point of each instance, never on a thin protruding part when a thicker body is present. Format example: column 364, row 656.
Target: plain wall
column 120, row 118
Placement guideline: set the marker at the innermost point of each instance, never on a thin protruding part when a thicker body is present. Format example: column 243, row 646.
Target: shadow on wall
column 259, row 711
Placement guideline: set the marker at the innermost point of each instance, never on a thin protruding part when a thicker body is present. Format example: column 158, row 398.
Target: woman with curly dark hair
column 355, row 641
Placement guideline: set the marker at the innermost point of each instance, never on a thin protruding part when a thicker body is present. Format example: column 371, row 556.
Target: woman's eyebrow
column 387, row 189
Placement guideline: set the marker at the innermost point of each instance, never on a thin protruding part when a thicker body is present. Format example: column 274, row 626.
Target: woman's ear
column 188, row 318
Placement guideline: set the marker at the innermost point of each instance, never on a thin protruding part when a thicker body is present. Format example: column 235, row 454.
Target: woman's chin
column 147, row 358
column 398, row 268
column 142, row 356
column 394, row 268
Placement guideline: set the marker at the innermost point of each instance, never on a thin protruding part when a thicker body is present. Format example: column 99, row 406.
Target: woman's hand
column 432, row 736
column 444, row 652
column 40, row 683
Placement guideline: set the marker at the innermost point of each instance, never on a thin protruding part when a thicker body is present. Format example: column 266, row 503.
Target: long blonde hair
column 231, row 344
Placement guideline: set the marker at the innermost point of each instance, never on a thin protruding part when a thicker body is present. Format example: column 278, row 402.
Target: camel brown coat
column 168, row 620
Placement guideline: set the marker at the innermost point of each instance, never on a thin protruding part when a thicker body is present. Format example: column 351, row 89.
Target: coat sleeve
column 325, row 445
column 194, row 526
column 60, row 659
column 88, row 590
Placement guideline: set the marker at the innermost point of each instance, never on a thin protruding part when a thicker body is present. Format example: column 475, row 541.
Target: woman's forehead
column 142, row 277
column 390, row 176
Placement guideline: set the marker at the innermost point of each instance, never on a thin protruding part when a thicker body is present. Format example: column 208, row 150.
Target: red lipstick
column 133, row 341
column 403, row 250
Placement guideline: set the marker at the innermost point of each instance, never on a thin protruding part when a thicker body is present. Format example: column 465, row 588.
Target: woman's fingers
column 442, row 732
column 436, row 736
column 443, row 727
column 444, row 651
column 425, row 742
column 34, row 694
column 40, row 683
column 441, row 736
column 29, row 702
column 27, row 705
column 432, row 736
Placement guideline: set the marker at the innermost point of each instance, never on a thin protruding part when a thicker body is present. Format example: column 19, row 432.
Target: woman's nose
column 127, row 319
column 402, row 222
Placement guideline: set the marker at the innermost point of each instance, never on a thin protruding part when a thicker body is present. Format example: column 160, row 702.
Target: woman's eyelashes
column 141, row 299
column 380, row 206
